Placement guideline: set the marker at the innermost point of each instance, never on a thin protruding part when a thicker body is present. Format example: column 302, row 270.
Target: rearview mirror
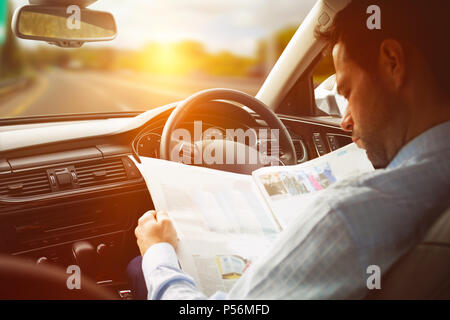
column 63, row 26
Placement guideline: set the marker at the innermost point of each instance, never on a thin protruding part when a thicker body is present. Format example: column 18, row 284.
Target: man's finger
column 160, row 215
column 137, row 232
column 149, row 215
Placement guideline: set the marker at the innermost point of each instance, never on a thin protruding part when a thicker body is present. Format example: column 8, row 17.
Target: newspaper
column 290, row 189
column 225, row 221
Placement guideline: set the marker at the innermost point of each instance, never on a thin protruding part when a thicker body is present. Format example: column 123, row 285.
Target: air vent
column 24, row 184
column 3, row 207
column 299, row 145
column 300, row 150
column 274, row 150
column 100, row 172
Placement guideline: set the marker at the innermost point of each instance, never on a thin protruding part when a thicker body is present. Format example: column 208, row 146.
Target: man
column 395, row 81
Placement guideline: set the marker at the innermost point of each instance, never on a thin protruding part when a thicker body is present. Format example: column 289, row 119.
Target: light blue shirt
column 324, row 253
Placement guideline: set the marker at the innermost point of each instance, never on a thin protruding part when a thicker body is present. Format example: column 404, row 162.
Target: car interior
column 70, row 192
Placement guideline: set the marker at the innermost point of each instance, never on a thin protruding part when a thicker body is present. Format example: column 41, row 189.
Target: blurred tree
column 281, row 39
column 227, row 64
column 324, row 69
column 182, row 58
column 3, row 20
column 12, row 62
column 190, row 57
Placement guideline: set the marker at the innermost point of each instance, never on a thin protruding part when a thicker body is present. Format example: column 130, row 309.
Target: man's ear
column 392, row 63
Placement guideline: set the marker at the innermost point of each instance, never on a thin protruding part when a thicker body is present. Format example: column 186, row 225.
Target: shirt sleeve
column 164, row 278
column 314, row 258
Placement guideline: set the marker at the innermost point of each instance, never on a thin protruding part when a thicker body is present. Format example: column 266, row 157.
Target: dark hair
column 422, row 24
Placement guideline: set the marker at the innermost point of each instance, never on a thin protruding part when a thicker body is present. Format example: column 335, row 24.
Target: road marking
column 103, row 94
column 41, row 86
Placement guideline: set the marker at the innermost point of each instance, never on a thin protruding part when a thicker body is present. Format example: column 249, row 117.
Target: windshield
column 164, row 51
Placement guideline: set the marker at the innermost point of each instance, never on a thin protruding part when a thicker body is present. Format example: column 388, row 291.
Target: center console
column 52, row 234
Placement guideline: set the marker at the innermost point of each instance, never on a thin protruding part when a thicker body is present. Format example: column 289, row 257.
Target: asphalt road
column 69, row 91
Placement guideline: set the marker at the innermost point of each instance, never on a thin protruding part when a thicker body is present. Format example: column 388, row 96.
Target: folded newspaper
column 226, row 220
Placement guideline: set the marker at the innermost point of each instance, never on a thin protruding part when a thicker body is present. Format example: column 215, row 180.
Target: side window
column 323, row 70
column 328, row 102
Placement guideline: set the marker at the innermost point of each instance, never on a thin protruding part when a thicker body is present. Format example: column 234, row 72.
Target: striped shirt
column 325, row 253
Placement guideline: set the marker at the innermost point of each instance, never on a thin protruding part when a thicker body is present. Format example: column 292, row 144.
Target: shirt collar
column 434, row 139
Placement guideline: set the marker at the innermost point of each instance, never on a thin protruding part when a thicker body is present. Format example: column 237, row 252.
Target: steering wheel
column 21, row 279
column 184, row 108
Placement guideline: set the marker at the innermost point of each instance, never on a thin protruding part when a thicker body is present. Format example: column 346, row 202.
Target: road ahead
column 65, row 91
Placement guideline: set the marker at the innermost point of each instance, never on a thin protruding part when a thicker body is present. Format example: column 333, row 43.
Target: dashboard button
column 333, row 142
column 130, row 168
column 319, row 144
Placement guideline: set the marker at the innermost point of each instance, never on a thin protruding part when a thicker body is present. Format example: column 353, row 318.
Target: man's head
column 394, row 78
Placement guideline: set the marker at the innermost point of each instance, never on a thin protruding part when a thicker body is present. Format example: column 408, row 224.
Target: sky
column 233, row 25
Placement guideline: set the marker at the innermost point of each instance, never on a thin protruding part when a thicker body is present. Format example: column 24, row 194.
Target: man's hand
column 155, row 227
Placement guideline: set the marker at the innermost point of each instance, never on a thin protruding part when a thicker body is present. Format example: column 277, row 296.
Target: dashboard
column 147, row 142
column 64, row 183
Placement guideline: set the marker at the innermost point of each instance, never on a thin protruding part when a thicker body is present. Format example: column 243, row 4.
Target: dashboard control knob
column 63, row 176
column 43, row 261
column 102, row 249
column 86, row 258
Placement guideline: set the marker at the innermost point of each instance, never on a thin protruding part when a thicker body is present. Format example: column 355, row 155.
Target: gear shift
column 86, row 258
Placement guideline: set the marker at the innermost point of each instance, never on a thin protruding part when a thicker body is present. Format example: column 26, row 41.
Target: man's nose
column 347, row 122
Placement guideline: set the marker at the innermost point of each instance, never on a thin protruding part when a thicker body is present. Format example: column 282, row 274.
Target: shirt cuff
column 159, row 254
